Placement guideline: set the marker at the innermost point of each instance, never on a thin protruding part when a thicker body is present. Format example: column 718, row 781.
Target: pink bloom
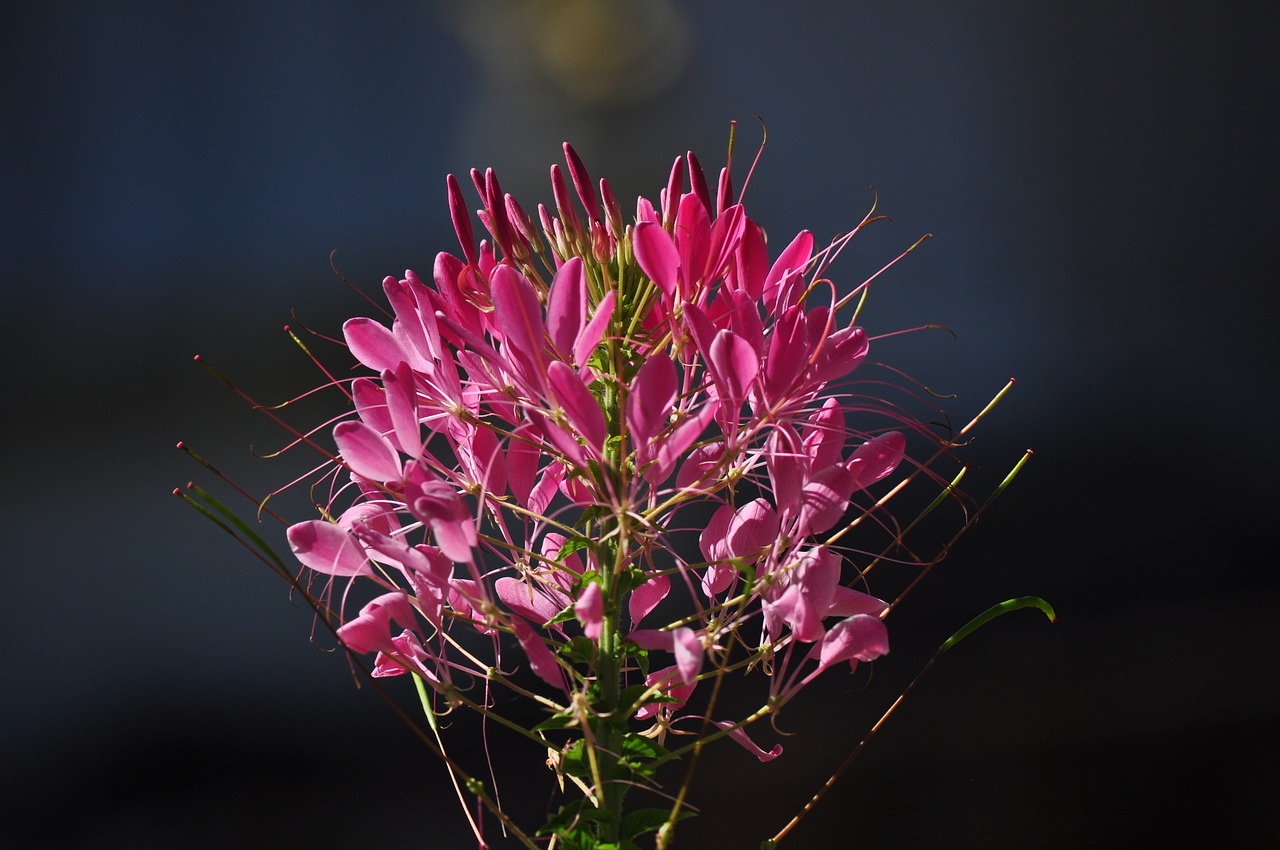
column 545, row 425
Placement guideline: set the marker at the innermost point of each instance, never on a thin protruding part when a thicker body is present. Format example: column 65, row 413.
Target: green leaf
column 565, row 615
column 641, row 657
column 580, row 648
column 631, row 579
column 641, row 821
column 635, row 745
column 997, row 611
column 572, row 545
column 560, row 720
column 574, row 760
column 630, row 698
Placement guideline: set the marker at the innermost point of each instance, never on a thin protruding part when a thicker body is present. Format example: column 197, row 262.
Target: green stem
column 609, row 683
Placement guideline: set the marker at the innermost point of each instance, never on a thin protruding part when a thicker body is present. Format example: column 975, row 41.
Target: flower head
column 587, row 442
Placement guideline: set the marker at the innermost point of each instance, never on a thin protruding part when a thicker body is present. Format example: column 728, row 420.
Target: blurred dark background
column 1100, row 182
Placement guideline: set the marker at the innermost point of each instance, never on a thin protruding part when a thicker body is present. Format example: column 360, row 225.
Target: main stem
column 611, row 727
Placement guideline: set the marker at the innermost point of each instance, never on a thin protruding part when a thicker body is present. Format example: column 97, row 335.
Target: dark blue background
column 1100, row 182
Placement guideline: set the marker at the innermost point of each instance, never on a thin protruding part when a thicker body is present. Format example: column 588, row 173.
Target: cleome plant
column 608, row 465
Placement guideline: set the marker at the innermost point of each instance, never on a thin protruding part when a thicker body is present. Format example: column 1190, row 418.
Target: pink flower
column 556, row 424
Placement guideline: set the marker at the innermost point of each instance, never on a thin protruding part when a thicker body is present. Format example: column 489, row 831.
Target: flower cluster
column 630, row 449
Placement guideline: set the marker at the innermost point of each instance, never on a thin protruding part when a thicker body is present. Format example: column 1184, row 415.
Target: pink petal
column 699, row 467
column 461, row 219
column 526, row 600
column 846, row 602
column 713, row 538
column 402, row 404
column 652, row 639
column 808, row 595
column 439, row 505
column 753, row 528
column 646, row 212
column 467, row 599
column 793, row 257
column 667, row 680
column 842, row 352
column 726, row 233
column 744, row 320
column 735, row 364
column 371, row 630
column 579, row 404
column 446, row 273
column 581, row 181
column 589, row 610
column 647, row 596
column 682, row 642
column 390, row 550
column 693, row 237
column 567, row 305
column 742, row 738
column 753, row 261
column 876, row 458
column 326, row 548
column 701, row 328
column 861, row 637
column 657, row 255
column 373, row 344
column 519, row 316
column 675, row 445
column 366, row 452
column 540, row 658
column 408, row 656
column 559, row 438
column 788, row 353
column 717, row 579
column 379, row 517
column 522, row 463
column 548, row 483
column 653, row 392
column 594, row 330
column 824, row 436
column 787, row 468
column 408, row 327
column 826, row 497
column 688, row 651
column 371, row 405
column 671, row 195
